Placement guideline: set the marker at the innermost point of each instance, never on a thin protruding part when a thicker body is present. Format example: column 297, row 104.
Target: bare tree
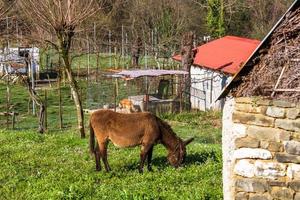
column 56, row 22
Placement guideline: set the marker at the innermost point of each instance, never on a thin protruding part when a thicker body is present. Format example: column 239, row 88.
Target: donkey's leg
column 144, row 152
column 97, row 158
column 103, row 153
column 149, row 158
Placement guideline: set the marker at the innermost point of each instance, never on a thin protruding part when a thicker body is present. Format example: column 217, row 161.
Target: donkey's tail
column 92, row 140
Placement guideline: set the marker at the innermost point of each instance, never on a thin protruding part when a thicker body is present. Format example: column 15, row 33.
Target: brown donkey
column 129, row 130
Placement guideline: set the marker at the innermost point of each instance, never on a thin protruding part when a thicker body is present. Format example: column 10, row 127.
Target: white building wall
column 229, row 134
column 206, row 87
column 12, row 54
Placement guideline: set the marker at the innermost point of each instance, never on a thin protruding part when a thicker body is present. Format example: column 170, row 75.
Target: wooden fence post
column 60, row 104
column 46, row 104
column 13, row 120
column 7, row 101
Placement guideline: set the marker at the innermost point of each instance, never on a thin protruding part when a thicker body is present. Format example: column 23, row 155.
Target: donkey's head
column 177, row 156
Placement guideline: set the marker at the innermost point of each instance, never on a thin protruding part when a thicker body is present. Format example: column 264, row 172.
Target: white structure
column 206, row 87
column 214, row 64
column 13, row 60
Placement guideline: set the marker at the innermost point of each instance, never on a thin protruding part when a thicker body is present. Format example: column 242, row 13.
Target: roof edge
column 229, row 86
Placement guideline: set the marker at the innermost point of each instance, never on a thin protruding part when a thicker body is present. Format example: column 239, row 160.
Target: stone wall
column 263, row 151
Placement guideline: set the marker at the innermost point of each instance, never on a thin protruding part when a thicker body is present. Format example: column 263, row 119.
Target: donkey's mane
column 167, row 126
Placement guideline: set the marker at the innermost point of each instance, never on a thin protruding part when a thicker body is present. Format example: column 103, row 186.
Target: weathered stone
column 296, row 136
column 277, row 183
column 290, row 125
column 260, row 197
column 246, row 142
column 252, row 119
column 239, row 130
column 251, row 185
column 264, row 144
column 241, row 196
column 282, row 193
column 293, row 171
column 284, row 135
column 275, row 112
column 269, row 170
column 293, row 113
column 245, row 153
column 244, row 168
column 275, row 147
column 283, row 104
column 264, row 102
column 292, row 147
column 251, row 108
column 295, row 185
column 244, row 100
column 297, row 196
column 287, row 158
column 264, row 133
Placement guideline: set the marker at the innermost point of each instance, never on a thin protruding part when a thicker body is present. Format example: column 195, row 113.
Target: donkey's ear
column 188, row 141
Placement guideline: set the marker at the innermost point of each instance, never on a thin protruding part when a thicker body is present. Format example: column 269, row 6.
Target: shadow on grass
column 191, row 159
column 161, row 162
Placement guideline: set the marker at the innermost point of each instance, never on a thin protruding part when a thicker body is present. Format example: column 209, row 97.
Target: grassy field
column 57, row 165
column 105, row 61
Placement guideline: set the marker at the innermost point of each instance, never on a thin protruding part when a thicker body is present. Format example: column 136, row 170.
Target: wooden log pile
column 277, row 72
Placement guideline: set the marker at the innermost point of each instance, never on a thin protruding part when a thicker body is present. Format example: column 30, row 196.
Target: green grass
column 57, row 165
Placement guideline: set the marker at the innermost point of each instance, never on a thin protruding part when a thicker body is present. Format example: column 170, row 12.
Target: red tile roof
column 226, row 54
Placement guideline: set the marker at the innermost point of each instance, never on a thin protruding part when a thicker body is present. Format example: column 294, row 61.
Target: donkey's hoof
column 98, row 167
column 141, row 171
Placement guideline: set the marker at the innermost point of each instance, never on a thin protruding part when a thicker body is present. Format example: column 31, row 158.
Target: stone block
column 245, row 153
column 282, row 193
column 287, row 158
column 275, row 147
column 277, row 183
column 292, row 147
column 248, row 142
column 244, row 168
column 239, row 130
column 293, row 113
column 284, row 135
column 264, row 102
column 260, row 197
column 251, row 108
column 290, row 125
column 264, row 144
column 242, row 196
column 244, row 100
column 295, row 185
column 293, row 171
column 297, row 196
column 252, row 119
column 283, row 104
column 273, row 111
column 271, row 170
column 264, row 133
column 251, row 185
column 295, row 136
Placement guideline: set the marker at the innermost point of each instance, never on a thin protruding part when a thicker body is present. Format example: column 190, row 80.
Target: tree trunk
column 187, row 59
column 75, row 94
column 36, row 98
